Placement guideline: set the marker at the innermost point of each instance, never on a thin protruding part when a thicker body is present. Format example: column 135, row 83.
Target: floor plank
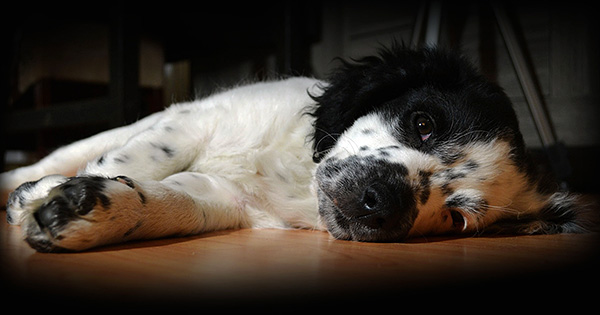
column 285, row 265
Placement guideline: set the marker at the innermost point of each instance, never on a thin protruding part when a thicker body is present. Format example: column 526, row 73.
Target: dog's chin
column 343, row 228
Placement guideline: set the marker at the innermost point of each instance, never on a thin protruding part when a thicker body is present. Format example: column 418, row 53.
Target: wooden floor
column 265, row 266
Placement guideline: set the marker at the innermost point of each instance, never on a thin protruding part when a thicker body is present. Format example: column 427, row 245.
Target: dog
column 405, row 143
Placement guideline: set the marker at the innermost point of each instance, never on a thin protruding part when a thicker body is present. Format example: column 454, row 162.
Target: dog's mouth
column 459, row 222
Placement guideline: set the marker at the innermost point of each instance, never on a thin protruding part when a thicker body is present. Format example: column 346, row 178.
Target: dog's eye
column 424, row 126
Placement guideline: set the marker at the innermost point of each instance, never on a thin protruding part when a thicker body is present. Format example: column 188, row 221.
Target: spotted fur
column 402, row 144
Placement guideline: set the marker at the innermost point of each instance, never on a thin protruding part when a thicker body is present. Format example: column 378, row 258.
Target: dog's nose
column 374, row 194
column 380, row 206
column 372, row 199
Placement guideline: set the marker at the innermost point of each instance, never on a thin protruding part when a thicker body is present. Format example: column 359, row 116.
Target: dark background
column 70, row 71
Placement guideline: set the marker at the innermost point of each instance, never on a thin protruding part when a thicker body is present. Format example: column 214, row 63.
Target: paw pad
column 76, row 197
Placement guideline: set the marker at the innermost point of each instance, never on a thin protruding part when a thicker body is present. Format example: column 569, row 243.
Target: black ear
column 355, row 89
column 563, row 213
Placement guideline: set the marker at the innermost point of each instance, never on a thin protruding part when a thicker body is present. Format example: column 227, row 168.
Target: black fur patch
column 425, row 186
column 133, row 229
column 450, row 174
column 367, row 131
column 168, row 151
column 121, row 159
column 100, row 160
column 470, row 165
column 142, row 198
column 446, row 189
column 469, row 203
column 451, row 158
column 383, row 153
column 17, row 196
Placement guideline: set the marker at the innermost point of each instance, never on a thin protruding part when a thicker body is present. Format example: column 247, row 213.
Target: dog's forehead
column 376, row 135
column 369, row 130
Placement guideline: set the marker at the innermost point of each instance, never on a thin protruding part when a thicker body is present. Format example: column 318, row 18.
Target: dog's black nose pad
column 371, row 199
column 378, row 203
column 379, row 197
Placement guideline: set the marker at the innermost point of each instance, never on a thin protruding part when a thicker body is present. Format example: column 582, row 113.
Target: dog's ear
column 563, row 213
column 359, row 87
column 355, row 89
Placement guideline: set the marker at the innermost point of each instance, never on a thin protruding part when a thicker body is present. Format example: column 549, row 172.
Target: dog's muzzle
column 365, row 199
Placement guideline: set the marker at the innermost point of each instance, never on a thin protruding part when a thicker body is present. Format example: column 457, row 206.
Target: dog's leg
column 85, row 212
column 69, row 159
column 153, row 154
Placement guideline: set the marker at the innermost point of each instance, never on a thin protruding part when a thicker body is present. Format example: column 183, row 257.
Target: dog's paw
column 20, row 201
column 79, row 214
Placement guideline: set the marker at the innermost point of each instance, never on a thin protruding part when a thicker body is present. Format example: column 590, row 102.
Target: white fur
column 247, row 161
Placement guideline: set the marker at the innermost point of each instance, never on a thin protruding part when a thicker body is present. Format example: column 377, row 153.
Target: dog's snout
column 371, row 193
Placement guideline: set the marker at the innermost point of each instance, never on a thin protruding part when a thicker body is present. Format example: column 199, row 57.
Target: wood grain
column 285, row 265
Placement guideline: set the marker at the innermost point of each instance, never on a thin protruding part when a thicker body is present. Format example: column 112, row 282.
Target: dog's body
column 405, row 144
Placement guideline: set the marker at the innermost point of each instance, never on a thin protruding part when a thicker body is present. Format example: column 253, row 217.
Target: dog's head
column 416, row 142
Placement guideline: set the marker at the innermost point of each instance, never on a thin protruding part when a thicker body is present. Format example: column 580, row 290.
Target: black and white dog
column 403, row 144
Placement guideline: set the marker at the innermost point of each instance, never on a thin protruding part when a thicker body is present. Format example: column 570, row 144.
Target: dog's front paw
column 77, row 214
column 22, row 199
